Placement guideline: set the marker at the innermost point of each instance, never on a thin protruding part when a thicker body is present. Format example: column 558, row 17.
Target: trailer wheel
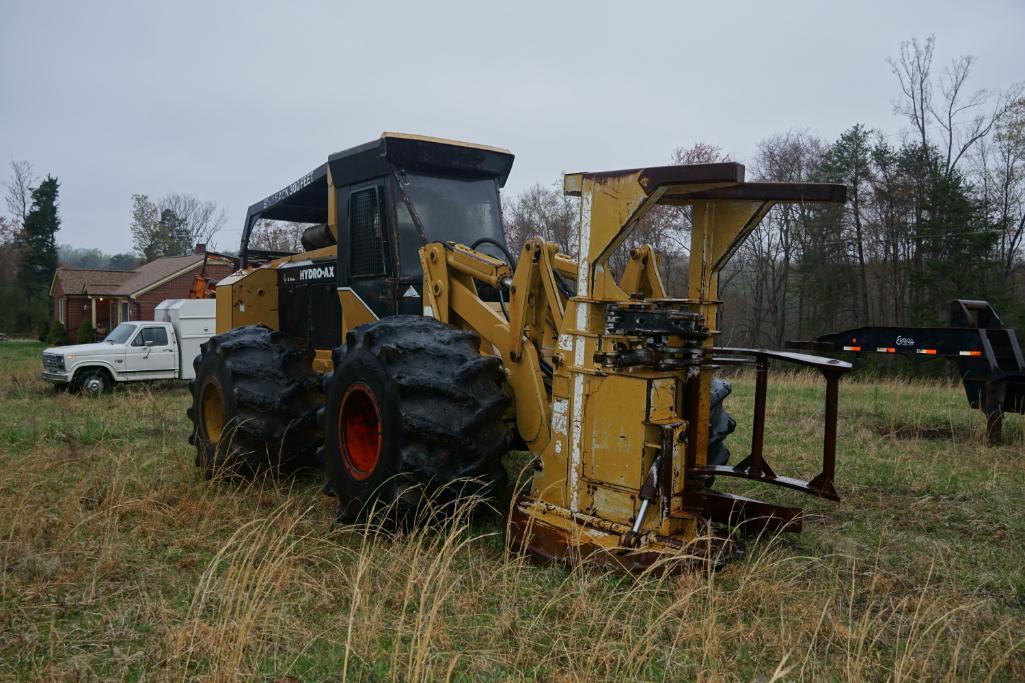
column 254, row 403
column 414, row 420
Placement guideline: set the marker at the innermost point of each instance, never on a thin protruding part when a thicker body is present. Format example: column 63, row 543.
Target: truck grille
column 53, row 362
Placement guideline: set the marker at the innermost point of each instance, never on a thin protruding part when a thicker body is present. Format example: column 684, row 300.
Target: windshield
column 455, row 209
column 121, row 333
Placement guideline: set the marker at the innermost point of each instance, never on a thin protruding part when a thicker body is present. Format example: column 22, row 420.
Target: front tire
column 414, row 420
column 93, row 382
column 254, row 403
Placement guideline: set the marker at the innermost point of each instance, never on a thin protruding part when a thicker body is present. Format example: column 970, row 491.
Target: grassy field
column 119, row 562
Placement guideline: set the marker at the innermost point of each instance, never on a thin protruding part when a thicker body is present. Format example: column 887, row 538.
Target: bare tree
column 964, row 122
column 668, row 228
column 8, row 231
column 890, row 216
column 19, row 190
column 964, row 117
column 960, row 135
column 545, row 212
column 277, row 235
column 198, row 220
column 174, row 225
column 848, row 161
column 768, row 256
column 1001, row 171
column 10, row 250
column 677, row 224
column 913, row 69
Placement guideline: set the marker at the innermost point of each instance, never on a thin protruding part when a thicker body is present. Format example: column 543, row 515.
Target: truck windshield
column 121, row 333
column 455, row 209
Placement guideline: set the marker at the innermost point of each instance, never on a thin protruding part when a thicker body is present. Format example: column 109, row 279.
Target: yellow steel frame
column 597, row 430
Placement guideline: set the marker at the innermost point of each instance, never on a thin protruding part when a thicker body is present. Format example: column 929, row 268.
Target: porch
column 107, row 312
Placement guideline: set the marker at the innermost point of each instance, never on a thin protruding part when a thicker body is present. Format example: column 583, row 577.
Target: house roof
column 151, row 274
column 130, row 283
column 85, row 281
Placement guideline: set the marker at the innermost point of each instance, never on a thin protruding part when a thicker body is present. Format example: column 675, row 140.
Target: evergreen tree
column 173, row 234
column 58, row 336
column 39, row 239
column 848, row 161
column 86, row 333
column 955, row 246
column 172, row 226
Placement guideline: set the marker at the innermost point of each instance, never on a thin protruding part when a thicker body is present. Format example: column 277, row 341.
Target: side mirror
column 148, row 343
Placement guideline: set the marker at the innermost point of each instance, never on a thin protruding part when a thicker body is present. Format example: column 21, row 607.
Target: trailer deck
column 988, row 355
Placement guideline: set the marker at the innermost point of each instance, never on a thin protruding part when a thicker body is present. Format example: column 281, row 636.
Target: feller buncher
column 408, row 349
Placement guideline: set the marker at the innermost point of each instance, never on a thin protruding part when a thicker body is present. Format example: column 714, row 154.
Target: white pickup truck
column 136, row 351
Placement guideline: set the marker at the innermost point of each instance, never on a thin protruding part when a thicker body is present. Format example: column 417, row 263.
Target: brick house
column 109, row 297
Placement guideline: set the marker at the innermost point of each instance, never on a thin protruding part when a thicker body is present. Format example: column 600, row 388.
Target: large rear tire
column 254, row 403
column 414, row 420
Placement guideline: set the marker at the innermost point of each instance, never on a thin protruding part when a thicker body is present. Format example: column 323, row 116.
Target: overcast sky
column 232, row 101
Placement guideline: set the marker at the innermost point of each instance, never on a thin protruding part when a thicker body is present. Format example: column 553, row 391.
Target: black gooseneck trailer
column 988, row 355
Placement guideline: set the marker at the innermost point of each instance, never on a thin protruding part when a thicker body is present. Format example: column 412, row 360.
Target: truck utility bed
column 193, row 321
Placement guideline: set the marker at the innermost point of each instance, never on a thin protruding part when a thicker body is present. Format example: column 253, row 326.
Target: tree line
column 29, row 254
column 934, row 212
column 28, row 248
column 95, row 259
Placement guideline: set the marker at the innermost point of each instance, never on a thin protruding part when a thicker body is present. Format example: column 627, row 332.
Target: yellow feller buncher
column 408, row 350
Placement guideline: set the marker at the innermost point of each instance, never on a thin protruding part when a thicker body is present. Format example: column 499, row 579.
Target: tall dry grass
column 120, row 562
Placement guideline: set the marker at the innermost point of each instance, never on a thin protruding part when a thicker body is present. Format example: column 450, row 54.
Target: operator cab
column 450, row 209
column 379, row 202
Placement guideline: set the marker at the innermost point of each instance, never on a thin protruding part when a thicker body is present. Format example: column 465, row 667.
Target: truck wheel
column 414, row 420
column 93, row 382
column 254, row 403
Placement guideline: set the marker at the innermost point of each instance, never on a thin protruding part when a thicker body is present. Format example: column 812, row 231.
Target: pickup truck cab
column 135, row 351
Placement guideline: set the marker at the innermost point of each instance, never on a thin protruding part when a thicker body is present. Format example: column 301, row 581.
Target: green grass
column 119, row 562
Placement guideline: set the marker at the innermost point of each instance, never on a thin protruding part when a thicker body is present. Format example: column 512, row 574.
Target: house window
column 61, row 312
column 124, row 311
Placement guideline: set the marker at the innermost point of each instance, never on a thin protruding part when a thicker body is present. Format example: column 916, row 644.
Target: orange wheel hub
column 359, row 431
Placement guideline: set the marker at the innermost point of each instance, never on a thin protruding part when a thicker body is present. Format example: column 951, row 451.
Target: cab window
column 366, row 234
column 121, row 333
column 156, row 335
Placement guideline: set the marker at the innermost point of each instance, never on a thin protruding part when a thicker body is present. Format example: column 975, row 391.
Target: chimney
column 200, row 248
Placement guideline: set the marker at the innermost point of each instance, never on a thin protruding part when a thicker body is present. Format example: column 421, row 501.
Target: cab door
column 150, row 351
column 365, row 264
